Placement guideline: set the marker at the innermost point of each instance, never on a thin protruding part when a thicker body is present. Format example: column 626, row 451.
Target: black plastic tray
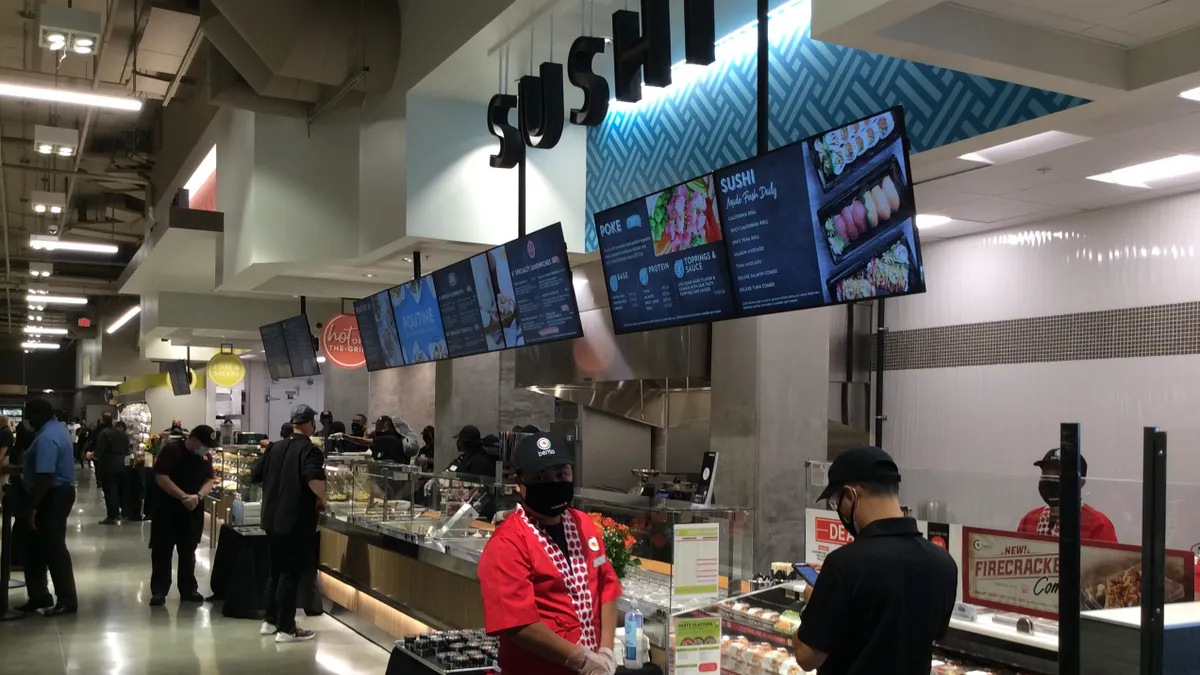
column 895, row 235
column 830, row 182
column 871, row 179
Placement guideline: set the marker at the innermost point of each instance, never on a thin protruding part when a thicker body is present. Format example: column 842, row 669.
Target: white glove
column 587, row 662
column 607, row 655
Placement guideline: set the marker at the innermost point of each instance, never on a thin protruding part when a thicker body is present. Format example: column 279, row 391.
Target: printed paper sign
column 824, row 533
column 697, row 645
column 697, row 569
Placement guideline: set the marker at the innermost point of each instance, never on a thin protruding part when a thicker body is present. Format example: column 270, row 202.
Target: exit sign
column 85, row 322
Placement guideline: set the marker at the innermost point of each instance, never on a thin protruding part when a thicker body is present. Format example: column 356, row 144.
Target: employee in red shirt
column 548, row 589
column 1094, row 526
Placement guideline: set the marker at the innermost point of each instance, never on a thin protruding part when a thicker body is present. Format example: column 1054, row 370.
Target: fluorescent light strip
column 133, row 311
column 70, row 96
column 47, row 244
column 39, row 345
column 926, row 221
column 1140, row 175
column 1023, row 148
column 55, row 299
column 40, row 330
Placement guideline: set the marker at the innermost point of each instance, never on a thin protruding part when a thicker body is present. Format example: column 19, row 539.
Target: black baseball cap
column 541, row 451
column 1053, row 457
column 469, row 434
column 205, row 435
column 303, row 414
column 863, row 464
column 491, row 441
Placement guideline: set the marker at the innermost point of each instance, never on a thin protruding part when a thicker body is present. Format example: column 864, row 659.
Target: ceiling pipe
column 184, row 66
column 101, row 50
column 72, row 176
column 7, row 244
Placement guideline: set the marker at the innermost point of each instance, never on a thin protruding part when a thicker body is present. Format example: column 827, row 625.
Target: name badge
column 599, row 561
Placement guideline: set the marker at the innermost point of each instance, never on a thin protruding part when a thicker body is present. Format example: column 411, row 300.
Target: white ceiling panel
column 1033, row 15
column 1079, row 193
column 1178, row 135
column 1161, row 110
column 932, row 199
column 1113, row 36
column 1161, row 18
column 1126, row 23
column 993, row 209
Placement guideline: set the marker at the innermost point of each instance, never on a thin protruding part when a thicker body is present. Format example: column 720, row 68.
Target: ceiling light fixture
column 40, row 269
column 70, row 96
column 45, row 148
column 47, row 201
column 43, row 242
column 82, row 49
column 926, row 221
column 42, row 330
column 43, row 300
column 247, row 355
column 1023, row 148
column 1191, row 94
column 60, row 140
column 125, row 318
column 369, row 275
column 39, row 345
column 1140, row 175
column 320, row 359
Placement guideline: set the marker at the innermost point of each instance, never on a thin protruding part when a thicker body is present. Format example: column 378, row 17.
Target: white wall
column 969, row 435
column 454, row 194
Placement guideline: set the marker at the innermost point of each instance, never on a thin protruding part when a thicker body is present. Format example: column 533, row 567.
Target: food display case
column 137, row 419
column 232, row 465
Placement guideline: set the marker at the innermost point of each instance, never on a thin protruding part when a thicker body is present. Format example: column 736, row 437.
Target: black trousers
column 160, row 567
column 114, row 485
column 291, row 555
column 134, row 493
column 47, row 549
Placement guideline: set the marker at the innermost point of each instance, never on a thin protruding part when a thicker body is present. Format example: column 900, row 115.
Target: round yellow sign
column 226, row 370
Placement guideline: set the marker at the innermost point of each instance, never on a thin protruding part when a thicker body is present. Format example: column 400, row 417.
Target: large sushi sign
column 641, row 52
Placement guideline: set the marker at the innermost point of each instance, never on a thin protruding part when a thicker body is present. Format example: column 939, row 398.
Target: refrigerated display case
column 231, row 466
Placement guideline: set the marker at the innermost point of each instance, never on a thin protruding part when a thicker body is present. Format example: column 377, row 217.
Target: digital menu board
column 534, row 294
column 829, row 219
column 419, row 321
column 368, row 334
column 467, row 299
column 385, row 325
column 302, row 353
column 275, row 345
column 664, row 260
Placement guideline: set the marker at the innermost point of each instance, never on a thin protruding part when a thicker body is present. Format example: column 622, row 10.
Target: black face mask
column 549, row 499
column 1048, row 488
column 356, row 429
column 849, row 524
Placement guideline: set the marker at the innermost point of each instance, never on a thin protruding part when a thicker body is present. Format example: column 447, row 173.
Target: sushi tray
column 839, row 152
column 858, row 215
column 891, row 269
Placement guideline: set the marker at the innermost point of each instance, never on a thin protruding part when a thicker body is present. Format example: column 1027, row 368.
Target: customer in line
column 111, row 450
column 292, row 472
column 183, row 474
column 80, row 438
column 472, row 458
column 49, row 478
column 105, row 421
column 326, row 420
column 548, row 589
column 1093, row 525
column 881, row 600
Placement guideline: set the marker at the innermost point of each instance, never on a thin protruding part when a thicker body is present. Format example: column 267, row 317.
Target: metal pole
column 764, row 77
column 521, row 187
column 881, row 332
column 1154, row 537
column 1069, row 537
column 304, row 305
column 416, row 264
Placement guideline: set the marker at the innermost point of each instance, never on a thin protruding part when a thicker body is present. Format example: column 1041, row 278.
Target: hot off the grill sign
column 340, row 342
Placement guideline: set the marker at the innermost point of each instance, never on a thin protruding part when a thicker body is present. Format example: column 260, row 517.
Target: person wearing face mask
column 472, row 458
column 1093, row 525
column 183, row 475
column 548, row 589
column 326, row 424
column 358, row 426
column 881, row 600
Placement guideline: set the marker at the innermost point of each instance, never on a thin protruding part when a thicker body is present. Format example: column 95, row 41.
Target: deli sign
column 641, row 51
column 340, row 342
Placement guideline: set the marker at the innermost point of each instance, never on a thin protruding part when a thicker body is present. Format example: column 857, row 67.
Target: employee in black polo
column 183, row 476
column 881, row 600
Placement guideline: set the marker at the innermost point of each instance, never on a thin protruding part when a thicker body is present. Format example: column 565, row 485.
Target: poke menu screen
column 535, row 298
column 827, row 220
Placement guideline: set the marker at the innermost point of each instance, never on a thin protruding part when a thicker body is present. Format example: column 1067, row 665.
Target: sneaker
column 33, row 606
column 267, row 628
column 191, row 597
column 59, row 610
column 298, row 635
column 158, row 600
column 108, row 521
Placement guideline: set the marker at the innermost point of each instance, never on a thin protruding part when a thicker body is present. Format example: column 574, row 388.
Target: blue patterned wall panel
column 814, row 86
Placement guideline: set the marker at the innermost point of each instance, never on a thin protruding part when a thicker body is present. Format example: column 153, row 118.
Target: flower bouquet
column 618, row 543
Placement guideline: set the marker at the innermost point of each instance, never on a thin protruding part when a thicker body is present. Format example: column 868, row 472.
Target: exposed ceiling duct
column 289, row 57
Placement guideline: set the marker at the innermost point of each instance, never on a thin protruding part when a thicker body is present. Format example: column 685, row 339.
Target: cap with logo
column 205, row 435
column 1053, row 458
column 303, row 414
column 863, row 464
column 541, row 451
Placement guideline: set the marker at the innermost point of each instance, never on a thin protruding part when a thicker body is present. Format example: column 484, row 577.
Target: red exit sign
column 85, row 322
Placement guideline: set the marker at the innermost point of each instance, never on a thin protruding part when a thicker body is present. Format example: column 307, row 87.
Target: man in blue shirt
column 49, row 476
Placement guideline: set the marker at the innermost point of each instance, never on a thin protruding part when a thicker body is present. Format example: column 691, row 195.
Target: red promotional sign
column 831, row 531
column 340, row 342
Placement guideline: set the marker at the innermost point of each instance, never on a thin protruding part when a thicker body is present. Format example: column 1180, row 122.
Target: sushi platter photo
column 841, row 150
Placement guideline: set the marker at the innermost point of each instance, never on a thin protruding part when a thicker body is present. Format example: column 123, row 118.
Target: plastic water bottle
column 238, row 512
column 634, row 627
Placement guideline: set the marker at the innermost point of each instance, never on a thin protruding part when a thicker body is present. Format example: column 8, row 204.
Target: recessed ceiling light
column 929, row 220
column 1140, row 175
column 1191, row 94
column 407, row 259
column 1022, row 148
column 45, row 148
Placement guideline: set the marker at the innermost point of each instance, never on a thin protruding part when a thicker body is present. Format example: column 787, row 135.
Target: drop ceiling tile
column 1159, row 20
column 1179, row 135
column 1079, row 193
column 1092, row 11
column 1145, row 113
column 932, row 199
column 993, row 209
column 1113, row 36
column 1030, row 15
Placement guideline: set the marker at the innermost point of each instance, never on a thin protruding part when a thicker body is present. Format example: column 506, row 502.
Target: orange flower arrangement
column 618, row 542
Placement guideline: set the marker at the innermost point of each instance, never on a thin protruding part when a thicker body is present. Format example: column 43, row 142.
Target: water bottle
column 634, row 627
column 238, row 512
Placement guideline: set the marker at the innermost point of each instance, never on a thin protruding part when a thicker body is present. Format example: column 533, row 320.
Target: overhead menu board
column 827, row 220
column 385, row 324
column 534, row 294
column 419, row 321
column 302, row 353
column 368, row 334
column 467, row 299
column 275, row 345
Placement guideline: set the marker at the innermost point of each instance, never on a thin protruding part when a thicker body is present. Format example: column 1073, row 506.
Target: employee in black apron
column 183, row 475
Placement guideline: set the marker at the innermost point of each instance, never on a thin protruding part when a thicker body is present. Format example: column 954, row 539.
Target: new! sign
column 340, row 342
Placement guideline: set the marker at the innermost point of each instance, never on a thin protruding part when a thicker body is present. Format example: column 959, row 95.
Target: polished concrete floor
column 117, row 633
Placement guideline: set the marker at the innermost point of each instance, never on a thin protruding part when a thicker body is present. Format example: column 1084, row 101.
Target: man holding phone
column 881, row 600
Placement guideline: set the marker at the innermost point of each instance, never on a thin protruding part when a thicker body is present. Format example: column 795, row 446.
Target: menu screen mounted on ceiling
column 419, row 321
column 368, row 335
column 467, row 298
column 301, row 353
column 384, row 320
column 275, row 345
column 827, row 220
column 534, row 294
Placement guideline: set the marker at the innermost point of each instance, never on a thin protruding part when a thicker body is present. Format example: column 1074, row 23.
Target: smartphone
column 806, row 572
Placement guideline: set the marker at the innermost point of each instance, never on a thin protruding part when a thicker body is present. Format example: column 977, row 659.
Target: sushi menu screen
column 275, row 344
column 368, row 333
column 664, row 260
column 535, row 299
column 467, row 299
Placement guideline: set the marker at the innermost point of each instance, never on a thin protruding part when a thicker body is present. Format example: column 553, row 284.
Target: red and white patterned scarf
column 574, row 572
column 1043, row 525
